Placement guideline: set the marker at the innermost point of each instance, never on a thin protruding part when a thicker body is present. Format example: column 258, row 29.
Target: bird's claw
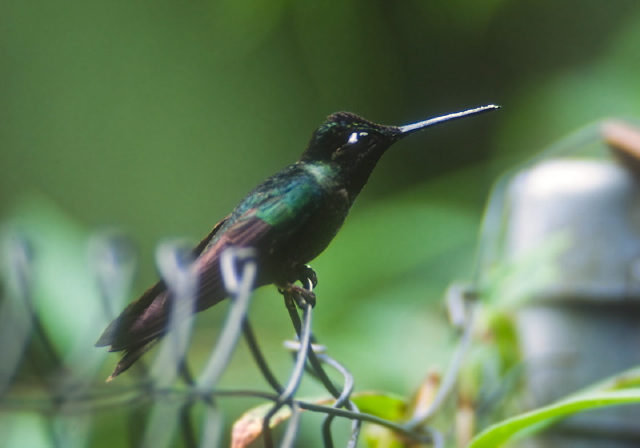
column 301, row 296
column 307, row 274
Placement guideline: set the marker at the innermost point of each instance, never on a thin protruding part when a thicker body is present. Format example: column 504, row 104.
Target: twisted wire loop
column 305, row 352
column 259, row 358
column 342, row 400
column 171, row 405
column 239, row 270
column 111, row 259
column 67, row 375
column 113, row 262
column 239, row 283
column 342, row 397
column 16, row 310
column 287, row 394
column 460, row 305
column 180, row 274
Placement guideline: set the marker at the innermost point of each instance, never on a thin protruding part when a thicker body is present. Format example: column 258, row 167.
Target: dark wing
column 146, row 318
column 264, row 219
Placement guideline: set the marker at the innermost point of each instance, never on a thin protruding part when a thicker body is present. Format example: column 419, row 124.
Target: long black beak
column 410, row 128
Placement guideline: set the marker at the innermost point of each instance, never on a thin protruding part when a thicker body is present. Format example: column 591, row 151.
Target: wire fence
column 71, row 392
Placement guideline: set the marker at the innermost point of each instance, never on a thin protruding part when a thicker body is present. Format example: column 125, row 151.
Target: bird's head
column 347, row 139
column 354, row 145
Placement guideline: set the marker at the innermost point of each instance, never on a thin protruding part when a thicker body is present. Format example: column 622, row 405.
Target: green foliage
column 157, row 117
column 248, row 428
column 619, row 390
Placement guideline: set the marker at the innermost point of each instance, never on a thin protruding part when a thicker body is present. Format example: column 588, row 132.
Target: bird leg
column 301, row 295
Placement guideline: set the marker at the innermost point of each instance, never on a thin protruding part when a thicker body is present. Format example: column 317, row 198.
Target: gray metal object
column 581, row 323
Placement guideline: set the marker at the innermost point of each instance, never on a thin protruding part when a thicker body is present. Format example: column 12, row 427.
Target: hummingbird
column 288, row 220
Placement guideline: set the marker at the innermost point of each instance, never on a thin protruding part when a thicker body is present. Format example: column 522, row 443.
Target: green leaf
column 500, row 433
column 381, row 404
column 249, row 426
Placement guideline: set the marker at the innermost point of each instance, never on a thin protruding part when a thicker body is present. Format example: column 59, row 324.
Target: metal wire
column 451, row 376
column 296, row 375
column 289, row 438
column 342, row 397
column 16, row 319
column 239, row 285
column 113, row 261
column 252, row 342
column 180, row 274
column 181, row 277
column 342, row 400
column 170, row 405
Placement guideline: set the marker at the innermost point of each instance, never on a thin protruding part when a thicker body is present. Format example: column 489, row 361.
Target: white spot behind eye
column 353, row 138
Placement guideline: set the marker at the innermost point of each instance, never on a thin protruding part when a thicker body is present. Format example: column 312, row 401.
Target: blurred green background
column 158, row 117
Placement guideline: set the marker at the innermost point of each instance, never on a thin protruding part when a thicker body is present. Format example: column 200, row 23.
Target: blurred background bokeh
column 156, row 118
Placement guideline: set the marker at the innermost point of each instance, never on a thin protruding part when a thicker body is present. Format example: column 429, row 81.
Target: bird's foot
column 301, row 296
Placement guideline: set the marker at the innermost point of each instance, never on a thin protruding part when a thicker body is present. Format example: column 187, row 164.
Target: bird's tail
column 131, row 355
column 138, row 327
column 145, row 321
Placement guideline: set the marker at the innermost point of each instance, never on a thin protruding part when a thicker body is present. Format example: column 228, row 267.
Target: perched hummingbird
column 289, row 220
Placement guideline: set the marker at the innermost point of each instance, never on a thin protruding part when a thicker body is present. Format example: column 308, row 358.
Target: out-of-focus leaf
column 249, row 426
column 381, row 404
column 65, row 295
column 512, row 283
column 380, row 437
column 534, row 421
column 425, row 394
column 24, row 429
